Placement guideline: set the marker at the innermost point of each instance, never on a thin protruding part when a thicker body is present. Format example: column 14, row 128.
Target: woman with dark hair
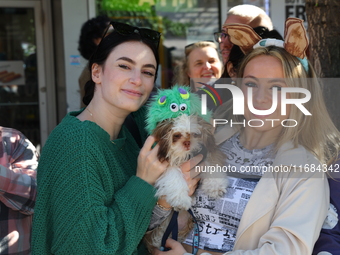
column 96, row 191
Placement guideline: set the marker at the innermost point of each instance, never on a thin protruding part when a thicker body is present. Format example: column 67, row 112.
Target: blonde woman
column 201, row 63
column 278, row 194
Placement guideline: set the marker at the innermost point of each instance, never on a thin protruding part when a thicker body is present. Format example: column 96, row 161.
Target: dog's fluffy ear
column 163, row 138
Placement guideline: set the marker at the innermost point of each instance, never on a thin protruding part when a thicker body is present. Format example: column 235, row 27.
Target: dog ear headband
column 295, row 39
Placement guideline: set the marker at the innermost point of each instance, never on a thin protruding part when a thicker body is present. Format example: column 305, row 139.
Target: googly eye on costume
column 183, row 107
column 174, row 107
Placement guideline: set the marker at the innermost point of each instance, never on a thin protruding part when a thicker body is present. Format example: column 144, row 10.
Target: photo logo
column 239, row 103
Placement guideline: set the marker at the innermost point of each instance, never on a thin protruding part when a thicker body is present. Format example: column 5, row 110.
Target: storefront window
column 181, row 22
column 19, row 94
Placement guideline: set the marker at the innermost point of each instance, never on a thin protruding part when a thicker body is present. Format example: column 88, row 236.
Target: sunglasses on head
column 125, row 29
column 191, row 44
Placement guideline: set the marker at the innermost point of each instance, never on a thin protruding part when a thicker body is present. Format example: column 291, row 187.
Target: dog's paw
column 216, row 193
column 215, row 187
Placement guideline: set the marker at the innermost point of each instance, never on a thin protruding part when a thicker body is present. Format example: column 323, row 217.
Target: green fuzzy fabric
column 189, row 103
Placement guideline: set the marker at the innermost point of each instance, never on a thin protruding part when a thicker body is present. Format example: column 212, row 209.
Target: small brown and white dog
column 180, row 139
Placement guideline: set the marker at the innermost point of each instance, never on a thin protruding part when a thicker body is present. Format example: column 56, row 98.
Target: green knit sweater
column 89, row 199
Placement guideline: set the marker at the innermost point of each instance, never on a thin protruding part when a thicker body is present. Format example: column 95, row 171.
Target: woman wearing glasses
column 201, row 64
column 96, row 191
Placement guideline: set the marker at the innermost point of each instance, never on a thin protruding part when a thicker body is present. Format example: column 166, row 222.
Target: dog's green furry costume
column 171, row 103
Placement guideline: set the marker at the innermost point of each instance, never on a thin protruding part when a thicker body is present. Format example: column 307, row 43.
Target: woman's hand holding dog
column 176, row 248
column 149, row 168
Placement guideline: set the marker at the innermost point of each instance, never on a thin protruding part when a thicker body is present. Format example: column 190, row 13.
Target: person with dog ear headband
column 96, row 186
column 218, row 96
column 281, row 168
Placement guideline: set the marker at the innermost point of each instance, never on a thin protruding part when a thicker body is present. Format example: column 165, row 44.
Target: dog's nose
column 186, row 144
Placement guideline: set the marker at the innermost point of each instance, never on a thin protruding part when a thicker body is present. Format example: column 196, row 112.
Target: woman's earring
column 233, row 82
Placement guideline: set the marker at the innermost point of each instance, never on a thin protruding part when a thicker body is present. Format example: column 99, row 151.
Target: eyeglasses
column 219, row 36
column 125, row 29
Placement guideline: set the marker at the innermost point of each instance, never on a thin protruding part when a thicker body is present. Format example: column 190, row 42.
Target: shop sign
column 296, row 8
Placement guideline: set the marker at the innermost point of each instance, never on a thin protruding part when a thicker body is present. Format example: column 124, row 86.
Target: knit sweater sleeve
column 84, row 204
